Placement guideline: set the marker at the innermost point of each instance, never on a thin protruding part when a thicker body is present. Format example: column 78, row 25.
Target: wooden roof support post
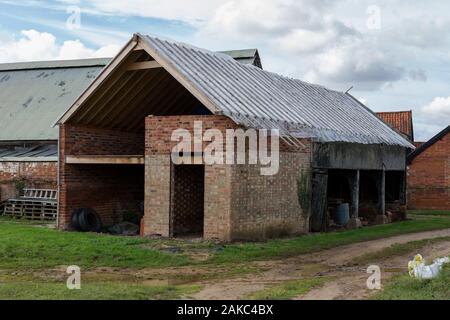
column 381, row 186
column 355, row 194
column 355, row 222
column 382, row 193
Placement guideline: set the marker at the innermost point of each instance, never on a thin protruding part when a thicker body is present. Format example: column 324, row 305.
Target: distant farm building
column 429, row 174
column 402, row 121
column 32, row 96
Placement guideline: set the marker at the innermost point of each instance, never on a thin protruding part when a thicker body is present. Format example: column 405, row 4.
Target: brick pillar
column 156, row 219
column 63, row 221
column 217, row 223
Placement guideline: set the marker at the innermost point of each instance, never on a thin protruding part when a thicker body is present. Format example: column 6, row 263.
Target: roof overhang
column 136, row 43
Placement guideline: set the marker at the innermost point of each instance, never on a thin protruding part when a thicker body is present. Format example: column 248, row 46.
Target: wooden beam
column 101, row 78
column 105, row 159
column 319, row 201
column 121, row 108
column 109, row 108
column 355, row 182
column 382, row 192
column 119, row 78
column 189, row 85
column 144, row 65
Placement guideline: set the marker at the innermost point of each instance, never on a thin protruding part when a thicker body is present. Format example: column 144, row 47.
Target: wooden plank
column 101, row 78
column 144, row 65
column 119, row 78
column 319, row 201
column 95, row 159
column 355, row 182
column 106, row 97
column 132, row 93
column 191, row 87
column 382, row 192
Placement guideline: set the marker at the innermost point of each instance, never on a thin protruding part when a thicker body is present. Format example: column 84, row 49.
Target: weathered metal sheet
column 48, row 153
column 33, row 95
column 358, row 157
column 256, row 98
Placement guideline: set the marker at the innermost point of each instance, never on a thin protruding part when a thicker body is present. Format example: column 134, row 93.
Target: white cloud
column 305, row 41
column 356, row 62
column 33, row 45
column 272, row 21
column 192, row 12
column 439, row 108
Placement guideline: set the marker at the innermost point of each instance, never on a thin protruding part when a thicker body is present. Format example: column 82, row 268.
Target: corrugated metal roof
column 36, row 153
column 34, row 94
column 256, row 98
column 401, row 121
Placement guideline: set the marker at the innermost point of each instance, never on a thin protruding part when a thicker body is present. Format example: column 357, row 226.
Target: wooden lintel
column 144, row 65
column 95, row 159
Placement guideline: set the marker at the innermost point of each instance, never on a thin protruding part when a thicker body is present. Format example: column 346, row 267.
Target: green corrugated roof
column 34, row 94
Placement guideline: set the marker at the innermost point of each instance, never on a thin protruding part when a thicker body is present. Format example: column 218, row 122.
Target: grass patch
column 406, row 288
column 25, row 246
column 92, row 291
column 311, row 243
column 288, row 290
column 445, row 213
column 396, row 250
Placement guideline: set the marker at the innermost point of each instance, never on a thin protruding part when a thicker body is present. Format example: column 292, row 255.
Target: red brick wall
column 111, row 190
column 429, row 178
column 239, row 202
column 41, row 175
column 159, row 130
column 158, row 148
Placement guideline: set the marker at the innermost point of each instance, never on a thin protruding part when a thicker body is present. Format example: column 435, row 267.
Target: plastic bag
column 417, row 268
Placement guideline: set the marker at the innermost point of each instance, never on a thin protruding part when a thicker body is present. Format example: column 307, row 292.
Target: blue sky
column 394, row 53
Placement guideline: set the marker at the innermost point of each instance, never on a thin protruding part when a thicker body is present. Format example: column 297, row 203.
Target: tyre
column 89, row 221
column 74, row 220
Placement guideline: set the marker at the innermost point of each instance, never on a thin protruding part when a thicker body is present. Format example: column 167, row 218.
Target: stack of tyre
column 86, row 220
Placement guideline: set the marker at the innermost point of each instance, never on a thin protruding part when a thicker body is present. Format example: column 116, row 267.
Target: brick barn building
column 429, row 174
column 116, row 148
column 32, row 96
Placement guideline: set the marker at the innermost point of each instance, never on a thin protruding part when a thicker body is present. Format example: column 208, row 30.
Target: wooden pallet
column 31, row 210
column 36, row 204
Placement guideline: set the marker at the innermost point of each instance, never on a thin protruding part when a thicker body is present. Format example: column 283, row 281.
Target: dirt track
column 349, row 280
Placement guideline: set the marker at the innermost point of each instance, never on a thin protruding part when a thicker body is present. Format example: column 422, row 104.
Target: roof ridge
column 229, row 58
column 54, row 64
column 403, row 111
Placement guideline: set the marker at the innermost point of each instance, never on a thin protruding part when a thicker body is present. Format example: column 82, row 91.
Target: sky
column 394, row 54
